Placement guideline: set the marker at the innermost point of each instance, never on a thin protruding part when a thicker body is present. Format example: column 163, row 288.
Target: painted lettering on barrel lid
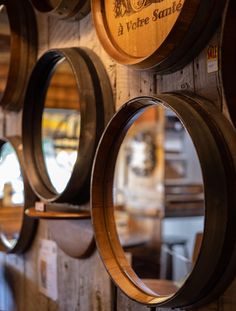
column 139, row 27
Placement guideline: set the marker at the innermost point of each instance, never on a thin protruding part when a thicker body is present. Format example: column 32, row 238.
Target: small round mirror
column 5, row 48
column 61, row 125
column 158, row 198
column 16, row 229
column 67, row 105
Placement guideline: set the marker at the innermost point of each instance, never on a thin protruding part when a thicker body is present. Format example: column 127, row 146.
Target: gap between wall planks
column 83, row 285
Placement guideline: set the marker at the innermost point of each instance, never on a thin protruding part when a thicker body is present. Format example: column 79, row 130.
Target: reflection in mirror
column 61, row 125
column 11, row 196
column 159, row 201
column 5, row 48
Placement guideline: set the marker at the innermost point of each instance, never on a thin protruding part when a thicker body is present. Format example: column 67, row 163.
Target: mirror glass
column 5, row 48
column 11, row 196
column 159, row 199
column 61, row 125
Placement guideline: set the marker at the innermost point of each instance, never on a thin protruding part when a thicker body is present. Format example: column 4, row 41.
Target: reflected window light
column 62, row 159
column 72, row 158
column 10, row 176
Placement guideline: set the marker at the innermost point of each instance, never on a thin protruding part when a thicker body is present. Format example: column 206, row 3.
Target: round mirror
column 11, row 195
column 13, row 201
column 18, row 51
column 68, row 103
column 162, row 200
column 61, row 125
column 63, row 9
column 158, row 174
column 5, row 48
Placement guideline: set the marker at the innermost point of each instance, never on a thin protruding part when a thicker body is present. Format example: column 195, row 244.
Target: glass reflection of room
column 61, row 125
column 11, row 195
column 157, row 171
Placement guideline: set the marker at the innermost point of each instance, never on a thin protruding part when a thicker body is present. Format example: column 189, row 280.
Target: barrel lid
column 164, row 34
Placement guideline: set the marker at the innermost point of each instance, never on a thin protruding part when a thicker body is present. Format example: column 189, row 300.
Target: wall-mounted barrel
column 16, row 229
column 213, row 138
column 160, row 34
column 63, row 9
column 18, row 51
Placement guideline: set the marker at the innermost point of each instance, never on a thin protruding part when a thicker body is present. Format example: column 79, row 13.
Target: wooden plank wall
column 84, row 284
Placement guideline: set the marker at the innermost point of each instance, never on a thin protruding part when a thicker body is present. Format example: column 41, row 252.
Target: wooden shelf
column 31, row 212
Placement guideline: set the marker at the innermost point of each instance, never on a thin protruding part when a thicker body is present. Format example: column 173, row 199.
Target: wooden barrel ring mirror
column 18, row 51
column 68, row 103
column 227, row 58
column 161, row 34
column 63, row 9
column 212, row 138
column 16, row 229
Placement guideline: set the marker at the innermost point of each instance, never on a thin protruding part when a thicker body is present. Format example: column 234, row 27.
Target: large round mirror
column 162, row 200
column 18, row 51
column 68, row 103
column 13, row 201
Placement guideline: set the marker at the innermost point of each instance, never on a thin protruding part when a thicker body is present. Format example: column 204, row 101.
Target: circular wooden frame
column 64, row 9
column 29, row 225
column 227, row 58
column 195, row 25
column 23, row 51
column 97, row 107
column 215, row 143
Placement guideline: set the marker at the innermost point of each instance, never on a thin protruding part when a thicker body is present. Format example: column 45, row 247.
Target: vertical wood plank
column 14, row 275
column 58, row 30
column 43, row 38
column 34, row 300
column 122, row 85
column 68, row 274
column 181, row 80
column 208, row 84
